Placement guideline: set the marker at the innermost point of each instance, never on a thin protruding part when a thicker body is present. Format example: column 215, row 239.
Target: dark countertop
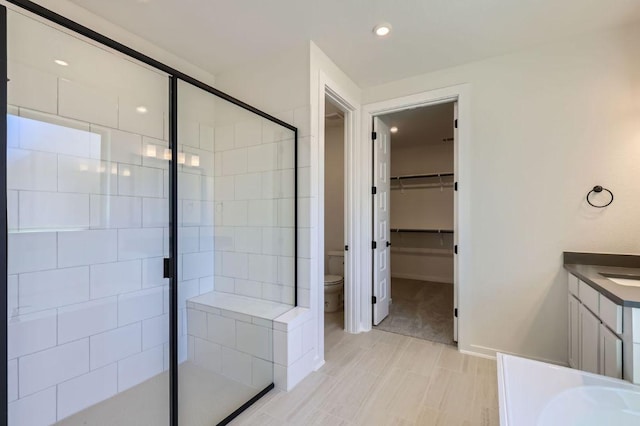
column 591, row 275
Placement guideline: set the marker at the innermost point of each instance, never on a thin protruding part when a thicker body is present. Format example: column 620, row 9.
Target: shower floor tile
column 205, row 398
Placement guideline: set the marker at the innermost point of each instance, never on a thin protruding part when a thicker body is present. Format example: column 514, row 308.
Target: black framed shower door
column 171, row 267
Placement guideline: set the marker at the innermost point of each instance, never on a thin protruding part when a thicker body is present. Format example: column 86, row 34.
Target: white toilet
column 334, row 283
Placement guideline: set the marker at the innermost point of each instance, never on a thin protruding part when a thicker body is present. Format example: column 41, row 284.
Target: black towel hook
column 598, row 189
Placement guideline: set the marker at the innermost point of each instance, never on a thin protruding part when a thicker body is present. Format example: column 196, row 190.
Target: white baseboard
column 318, row 363
column 433, row 278
column 490, row 353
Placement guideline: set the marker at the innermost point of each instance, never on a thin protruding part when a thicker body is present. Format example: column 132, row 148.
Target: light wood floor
column 381, row 378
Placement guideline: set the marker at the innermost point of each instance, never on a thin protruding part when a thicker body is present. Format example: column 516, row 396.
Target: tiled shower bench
column 248, row 340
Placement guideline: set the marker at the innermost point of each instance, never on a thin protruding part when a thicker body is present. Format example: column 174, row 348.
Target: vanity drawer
column 611, row 314
column 589, row 297
column 573, row 285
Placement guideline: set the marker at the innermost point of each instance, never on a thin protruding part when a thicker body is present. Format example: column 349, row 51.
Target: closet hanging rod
column 427, row 231
column 431, row 175
column 424, row 185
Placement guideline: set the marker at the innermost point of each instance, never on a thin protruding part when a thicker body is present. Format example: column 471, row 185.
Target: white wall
column 325, row 76
column 419, row 158
column 548, row 124
column 333, row 190
column 277, row 85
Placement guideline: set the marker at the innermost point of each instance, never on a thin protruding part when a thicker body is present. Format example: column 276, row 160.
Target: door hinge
column 166, row 268
column 374, row 300
column 455, row 249
column 455, row 312
column 374, row 245
column 346, row 248
column 374, row 136
column 455, row 186
column 455, row 123
column 374, row 190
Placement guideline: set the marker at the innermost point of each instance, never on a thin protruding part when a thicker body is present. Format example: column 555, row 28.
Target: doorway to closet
column 414, row 162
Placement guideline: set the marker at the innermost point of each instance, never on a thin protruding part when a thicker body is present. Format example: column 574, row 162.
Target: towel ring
column 599, row 189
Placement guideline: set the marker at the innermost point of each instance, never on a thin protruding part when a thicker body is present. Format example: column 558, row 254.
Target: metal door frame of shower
column 4, row 412
column 174, row 76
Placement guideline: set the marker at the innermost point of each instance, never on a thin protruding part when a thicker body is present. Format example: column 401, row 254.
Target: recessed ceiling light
column 142, row 109
column 394, row 129
column 382, row 30
column 61, row 63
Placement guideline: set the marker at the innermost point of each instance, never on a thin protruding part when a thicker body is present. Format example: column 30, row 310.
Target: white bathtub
column 534, row 393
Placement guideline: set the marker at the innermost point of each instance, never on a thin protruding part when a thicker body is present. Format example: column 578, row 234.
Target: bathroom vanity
column 604, row 314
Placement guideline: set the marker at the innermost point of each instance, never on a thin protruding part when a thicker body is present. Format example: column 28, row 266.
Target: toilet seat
column 330, row 280
column 333, row 293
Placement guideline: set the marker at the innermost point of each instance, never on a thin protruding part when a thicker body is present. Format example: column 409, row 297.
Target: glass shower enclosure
column 150, row 235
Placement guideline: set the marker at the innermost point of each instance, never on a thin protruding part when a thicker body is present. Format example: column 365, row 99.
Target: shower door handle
column 166, row 268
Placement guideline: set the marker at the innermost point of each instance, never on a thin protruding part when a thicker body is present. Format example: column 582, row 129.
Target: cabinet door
column 589, row 341
column 610, row 353
column 574, row 332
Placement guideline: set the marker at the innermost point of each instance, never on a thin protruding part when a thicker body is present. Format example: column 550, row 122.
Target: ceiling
column 419, row 126
column 427, row 34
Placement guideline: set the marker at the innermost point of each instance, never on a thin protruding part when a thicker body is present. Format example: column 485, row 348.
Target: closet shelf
column 430, row 175
column 428, row 231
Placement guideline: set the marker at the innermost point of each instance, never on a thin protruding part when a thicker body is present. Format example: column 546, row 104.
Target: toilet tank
column 336, row 263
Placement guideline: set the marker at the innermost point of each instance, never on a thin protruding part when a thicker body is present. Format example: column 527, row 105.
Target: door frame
column 462, row 226
column 351, row 108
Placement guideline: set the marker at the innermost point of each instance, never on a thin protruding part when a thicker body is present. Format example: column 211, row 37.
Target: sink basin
column 626, row 280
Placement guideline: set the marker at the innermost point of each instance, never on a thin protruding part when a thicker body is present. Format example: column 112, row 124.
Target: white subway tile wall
column 88, row 199
column 88, row 211
column 254, row 197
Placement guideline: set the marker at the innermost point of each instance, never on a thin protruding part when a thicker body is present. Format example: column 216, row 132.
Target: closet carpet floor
column 421, row 309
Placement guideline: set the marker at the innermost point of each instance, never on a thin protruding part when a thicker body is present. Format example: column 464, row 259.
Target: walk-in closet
column 420, row 191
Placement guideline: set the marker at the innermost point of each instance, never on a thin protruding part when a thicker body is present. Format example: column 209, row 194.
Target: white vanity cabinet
column 595, row 331
column 610, row 353
column 589, row 341
column 574, row 332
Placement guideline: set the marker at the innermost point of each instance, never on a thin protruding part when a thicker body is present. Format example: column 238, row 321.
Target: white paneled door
column 455, row 222
column 381, row 238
